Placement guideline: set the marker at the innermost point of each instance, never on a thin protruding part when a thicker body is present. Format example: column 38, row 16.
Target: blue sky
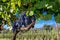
column 41, row 23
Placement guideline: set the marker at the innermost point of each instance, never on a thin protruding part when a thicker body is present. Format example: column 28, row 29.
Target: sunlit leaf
column 4, row 0
column 19, row 3
column 3, row 16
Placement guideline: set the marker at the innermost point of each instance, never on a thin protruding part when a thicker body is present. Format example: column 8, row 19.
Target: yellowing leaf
column 2, row 16
column 31, row 13
column 7, row 16
column 9, row 22
column 0, row 13
column 27, row 13
column 19, row 3
column 13, row 6
column 12, row 0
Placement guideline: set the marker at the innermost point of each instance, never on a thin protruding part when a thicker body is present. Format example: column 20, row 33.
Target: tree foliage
column 11, row 7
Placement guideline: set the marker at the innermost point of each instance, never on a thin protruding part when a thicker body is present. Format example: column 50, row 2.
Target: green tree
column 38, row 6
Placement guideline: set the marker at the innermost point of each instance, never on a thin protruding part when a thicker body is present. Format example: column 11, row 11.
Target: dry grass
column 33, row 35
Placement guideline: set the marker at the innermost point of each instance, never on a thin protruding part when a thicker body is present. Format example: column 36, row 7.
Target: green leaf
column 4, row 0
column 33, row 8
column 57, row 18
